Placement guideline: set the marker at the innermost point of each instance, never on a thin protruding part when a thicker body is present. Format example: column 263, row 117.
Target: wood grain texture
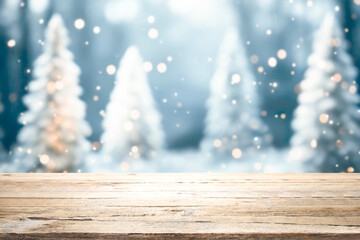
column 180, row 206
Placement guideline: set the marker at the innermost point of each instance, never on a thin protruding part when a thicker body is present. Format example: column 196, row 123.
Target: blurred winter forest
column 183, row 48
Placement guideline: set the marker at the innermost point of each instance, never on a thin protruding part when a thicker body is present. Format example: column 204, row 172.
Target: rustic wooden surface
column 180, row 206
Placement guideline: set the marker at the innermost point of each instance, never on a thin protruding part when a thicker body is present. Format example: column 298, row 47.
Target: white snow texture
column 326, row 121
column 233, row 119
column 54, row 127
column 132, row 125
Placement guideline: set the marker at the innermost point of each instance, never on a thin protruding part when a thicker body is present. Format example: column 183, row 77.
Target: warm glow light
column 338, row 143
column 79, row 23
column 236, row 153
column 153, row 33
column 59, row 85
column 51, row 87
column 257, row 166
column 147, row 66
column 111, row 69
column 151, row 19
column 324, row 118
column 57, row 119
column 135, row 114
column 352, row 89
column 102, row 113
column 344, row 85
column 235, row 79
column 128, row 126
column 313, row 143
column 95, row 146
column 96, row 29
column 51, row 104
column 11, row 43
column 44, row 159
column 161, row 67
column 217, row 143
column 281, row 54
column 134, row 149
column 272, row 62
column 337, row 77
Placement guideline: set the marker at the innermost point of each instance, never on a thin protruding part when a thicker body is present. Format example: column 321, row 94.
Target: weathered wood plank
column 181, row 206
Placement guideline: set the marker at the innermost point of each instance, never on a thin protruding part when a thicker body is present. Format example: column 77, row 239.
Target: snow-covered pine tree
column 234, row 127
column 326, row 122
column 132, row 125
column 53, row 138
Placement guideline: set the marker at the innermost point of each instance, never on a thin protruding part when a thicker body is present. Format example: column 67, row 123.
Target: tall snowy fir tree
column 132, row 125
column 53, row 138
column 234, row 128
column 326, row 122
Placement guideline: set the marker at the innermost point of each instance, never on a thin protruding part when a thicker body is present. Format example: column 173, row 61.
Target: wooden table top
column 180, row 206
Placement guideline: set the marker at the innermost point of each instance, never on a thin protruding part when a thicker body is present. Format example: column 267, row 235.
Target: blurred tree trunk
column 3, row 71
column 350, row 21
column 15, row 76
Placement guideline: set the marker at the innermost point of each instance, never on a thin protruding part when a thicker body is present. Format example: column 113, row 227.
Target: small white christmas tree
column 233, row 125
column 132, row 125
column 326, row 122
column 53, row 138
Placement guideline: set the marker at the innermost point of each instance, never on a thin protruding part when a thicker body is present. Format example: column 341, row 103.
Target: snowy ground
column 194, row 161
column 186, row 161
